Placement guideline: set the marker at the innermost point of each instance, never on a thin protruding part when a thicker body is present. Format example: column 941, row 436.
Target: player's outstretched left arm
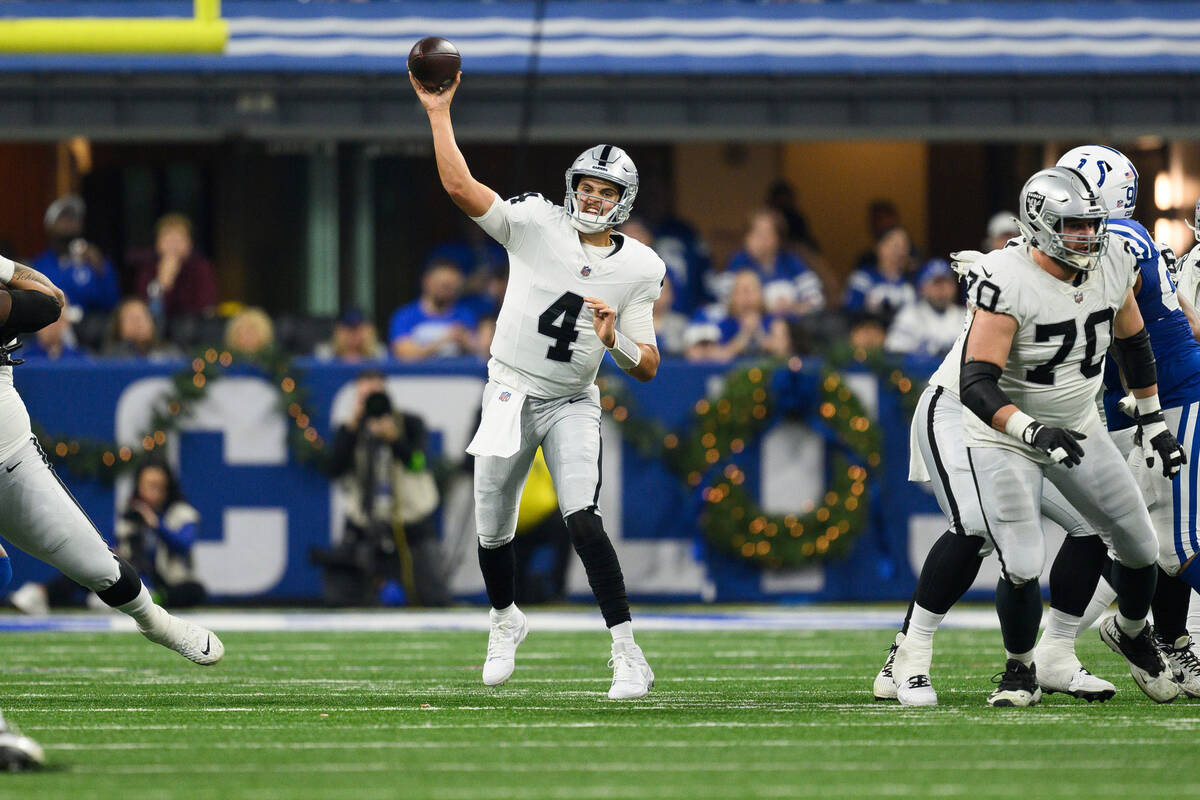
column 1131, row 348
column 638, row 359
column 467, row 193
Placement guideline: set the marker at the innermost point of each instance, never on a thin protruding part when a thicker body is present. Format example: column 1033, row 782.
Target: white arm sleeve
column 7, row 268
column 637, row 321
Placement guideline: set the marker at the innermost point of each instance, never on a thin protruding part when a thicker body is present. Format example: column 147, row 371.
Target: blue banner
column 715, row 37
column 262, row 512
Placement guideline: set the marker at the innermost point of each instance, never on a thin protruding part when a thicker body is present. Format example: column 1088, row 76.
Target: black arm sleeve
column 27, row 311
column 979, row 389
column 1135, row 357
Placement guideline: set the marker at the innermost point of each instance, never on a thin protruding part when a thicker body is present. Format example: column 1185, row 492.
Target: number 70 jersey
column 1056, row 363
column 545, row 344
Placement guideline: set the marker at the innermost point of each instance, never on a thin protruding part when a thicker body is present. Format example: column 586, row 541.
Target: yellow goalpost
column 204, row 32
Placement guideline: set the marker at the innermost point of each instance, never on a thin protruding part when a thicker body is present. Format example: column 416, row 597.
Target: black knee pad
column 585, row 526
column 127, row 587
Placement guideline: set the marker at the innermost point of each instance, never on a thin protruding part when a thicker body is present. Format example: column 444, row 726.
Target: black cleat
column 1017, row 686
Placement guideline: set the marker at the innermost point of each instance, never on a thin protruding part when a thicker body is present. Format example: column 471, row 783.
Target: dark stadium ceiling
column 489, row 108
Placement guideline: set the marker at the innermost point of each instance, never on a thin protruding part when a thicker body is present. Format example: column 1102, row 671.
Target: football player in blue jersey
column 1171, row 502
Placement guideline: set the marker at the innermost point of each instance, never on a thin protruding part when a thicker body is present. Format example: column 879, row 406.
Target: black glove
column 1156, row 439
column 6, row 351
column 1058, row 443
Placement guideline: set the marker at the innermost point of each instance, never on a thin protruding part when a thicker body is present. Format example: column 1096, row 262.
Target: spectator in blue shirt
column 688, row 262
column 743, row 328
column 75, row 265
column 438, row 324
column 789, row 286
column 886, row 287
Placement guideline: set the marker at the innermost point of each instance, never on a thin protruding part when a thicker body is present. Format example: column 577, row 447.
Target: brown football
column 434, row 62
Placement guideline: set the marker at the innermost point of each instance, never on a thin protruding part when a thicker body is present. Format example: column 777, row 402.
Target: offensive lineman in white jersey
column 575, row 290
column 39, row 515
column 1045, row 313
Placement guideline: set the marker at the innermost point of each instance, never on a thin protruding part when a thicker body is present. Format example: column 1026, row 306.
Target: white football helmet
column 1113, row 175
column 608, row 163
column 1057, row 194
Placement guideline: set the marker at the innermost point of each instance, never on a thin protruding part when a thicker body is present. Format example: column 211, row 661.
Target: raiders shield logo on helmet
column 1033, row 204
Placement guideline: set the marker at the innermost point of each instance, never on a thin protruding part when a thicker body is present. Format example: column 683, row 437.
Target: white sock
column 1024, row 658
column 1061, row 629
column 150, row 618
column 1131, row 627
column 922, row 626
column 1193, row 623
column 1101, row 600
column 622, row 632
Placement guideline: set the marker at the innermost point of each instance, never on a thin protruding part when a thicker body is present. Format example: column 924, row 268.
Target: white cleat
column 31, row 599
column 885, row 684
column 189, row 640
column 18, row 753
column 911, row 671
column 1059, row 670
column 632, row 676
column 1181, row 657
column 1147, row 666
column 507, row 632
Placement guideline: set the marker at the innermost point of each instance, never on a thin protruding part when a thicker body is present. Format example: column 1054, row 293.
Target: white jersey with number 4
column 545, row 345
column 1056, row 364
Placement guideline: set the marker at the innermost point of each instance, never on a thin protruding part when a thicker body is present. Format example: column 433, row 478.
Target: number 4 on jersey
column 567, row 309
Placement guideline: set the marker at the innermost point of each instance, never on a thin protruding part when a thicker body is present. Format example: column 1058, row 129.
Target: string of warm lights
column 705, row 455
column 91, row 458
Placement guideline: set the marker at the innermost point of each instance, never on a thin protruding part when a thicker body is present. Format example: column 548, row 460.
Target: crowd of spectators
column 776, row 295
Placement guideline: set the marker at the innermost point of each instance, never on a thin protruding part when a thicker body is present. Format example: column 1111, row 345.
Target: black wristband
column 29, row 311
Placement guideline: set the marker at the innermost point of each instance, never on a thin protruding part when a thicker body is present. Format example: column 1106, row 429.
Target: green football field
column 368, row 716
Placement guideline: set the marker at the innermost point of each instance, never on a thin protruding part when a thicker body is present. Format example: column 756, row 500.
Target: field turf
column 368, row 716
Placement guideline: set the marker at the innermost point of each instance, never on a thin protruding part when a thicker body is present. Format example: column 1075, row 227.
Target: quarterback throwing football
column 575, row 290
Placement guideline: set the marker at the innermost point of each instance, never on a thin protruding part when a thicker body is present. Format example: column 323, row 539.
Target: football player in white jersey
column 576, row 290
column 938, row 455
column 1044, row 314
column 1187, row 270
column 39, row 515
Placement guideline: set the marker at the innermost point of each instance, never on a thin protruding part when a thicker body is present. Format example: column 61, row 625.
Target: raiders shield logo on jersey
column 1033, row 204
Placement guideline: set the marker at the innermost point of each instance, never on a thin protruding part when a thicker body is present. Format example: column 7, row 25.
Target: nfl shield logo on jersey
column 505, row 397
column 585, row 271
column 1079, row 297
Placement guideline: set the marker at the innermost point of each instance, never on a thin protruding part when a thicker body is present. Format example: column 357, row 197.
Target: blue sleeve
column 856, row 295
column 179, row 541
column 5, row 572
column 401, row 323
column 106, row 291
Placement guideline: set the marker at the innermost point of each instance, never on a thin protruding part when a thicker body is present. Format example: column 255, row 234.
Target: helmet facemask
column 587, row 222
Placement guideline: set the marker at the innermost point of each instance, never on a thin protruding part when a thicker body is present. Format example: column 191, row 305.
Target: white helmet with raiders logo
column 1113, row 175
column 1056, row 195
column 608, row 163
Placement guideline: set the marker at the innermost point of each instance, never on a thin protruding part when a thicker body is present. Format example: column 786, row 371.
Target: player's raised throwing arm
column 985, row 355
column 467, row 193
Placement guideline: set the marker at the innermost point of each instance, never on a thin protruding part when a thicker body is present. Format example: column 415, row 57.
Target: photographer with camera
column 390, row 499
